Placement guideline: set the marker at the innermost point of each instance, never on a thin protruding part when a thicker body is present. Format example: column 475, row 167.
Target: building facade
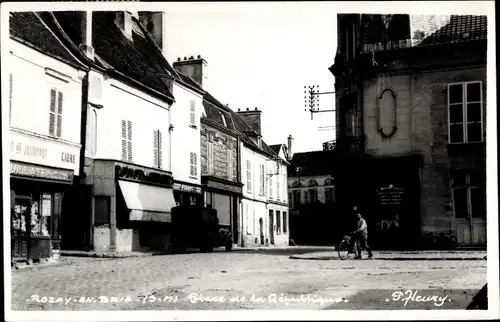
column 44, row 133
column 311, row 191
column 126, row 194
column 421, row 113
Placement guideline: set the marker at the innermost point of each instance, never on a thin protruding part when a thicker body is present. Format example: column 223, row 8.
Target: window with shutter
column 271, row 187
column 278, row 187
column 124, row 140
column 129, row 141
column 193, row 165
column 11, row 84
column 59, row 113
column 160, row 153
column 192, row 113
column 91, row 135
column 52, row 116
column 210, row 157
column 249, row 176
column 155, row 148
column 230, row 164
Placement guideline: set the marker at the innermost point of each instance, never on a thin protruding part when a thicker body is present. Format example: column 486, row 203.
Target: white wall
column 185, row 138
column 34, row 75
column 31, row 92
column 147, row 113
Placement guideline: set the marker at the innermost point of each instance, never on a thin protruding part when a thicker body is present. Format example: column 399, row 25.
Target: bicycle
column 347, row 246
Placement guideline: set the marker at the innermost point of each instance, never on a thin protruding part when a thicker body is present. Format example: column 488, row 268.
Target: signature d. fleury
column 412, row 296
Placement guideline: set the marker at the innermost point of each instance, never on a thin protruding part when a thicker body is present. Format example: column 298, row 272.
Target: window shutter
column 155, row 148
column 124, row 140
column 195, row 165
column 11, row 84
column 159, row 150
column 129, row 140
column 230, row 164
column 192, row 110
column 210, row 158
column 52, row 118
column 191, row 171
column 59, row 113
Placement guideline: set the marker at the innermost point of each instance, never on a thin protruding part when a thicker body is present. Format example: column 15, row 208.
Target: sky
column 263, row 58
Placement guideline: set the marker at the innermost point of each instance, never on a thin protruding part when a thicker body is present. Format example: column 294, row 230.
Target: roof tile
column 459, row 29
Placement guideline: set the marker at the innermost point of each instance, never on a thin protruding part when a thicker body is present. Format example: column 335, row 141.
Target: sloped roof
column 459, row 29
column 28, row 28
column 136, row 58
column 312, row 163
column 276, row 147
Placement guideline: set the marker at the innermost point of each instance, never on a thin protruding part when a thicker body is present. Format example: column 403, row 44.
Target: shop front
column 37, row 186
column 223, row 196
column 132, row 207
column 187, row 194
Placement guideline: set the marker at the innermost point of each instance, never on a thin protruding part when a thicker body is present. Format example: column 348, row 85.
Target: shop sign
column 186, row 188
column 48, row 152
column 144, row 176
column 223, row 186
column 36, row 171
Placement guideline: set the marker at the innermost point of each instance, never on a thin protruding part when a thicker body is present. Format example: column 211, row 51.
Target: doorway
column 271, row 226
column 469, row 207
column 20, row 227
column 261, row 229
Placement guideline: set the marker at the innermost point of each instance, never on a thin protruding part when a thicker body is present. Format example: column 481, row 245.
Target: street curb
column 393, row 258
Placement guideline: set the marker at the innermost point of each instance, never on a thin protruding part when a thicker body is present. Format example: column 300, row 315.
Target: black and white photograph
column 249, row 160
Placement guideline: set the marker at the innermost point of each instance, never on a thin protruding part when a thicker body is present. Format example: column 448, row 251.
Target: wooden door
column 271, row 227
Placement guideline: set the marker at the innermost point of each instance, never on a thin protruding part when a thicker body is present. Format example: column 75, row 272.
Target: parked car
column 198, row 227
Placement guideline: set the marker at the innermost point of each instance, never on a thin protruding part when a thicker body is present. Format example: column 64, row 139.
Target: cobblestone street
column 220, row 280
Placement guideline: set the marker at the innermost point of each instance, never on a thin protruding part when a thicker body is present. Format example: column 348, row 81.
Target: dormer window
column 223, row 119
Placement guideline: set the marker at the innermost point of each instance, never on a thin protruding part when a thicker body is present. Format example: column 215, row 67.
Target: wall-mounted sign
column 224, row 186
column 391, row 195
column 186, row 188
column 44, row 151
column 142, row 175
column 36, row 171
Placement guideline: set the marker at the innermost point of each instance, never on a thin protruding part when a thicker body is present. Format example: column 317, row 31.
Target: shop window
column 101, row 210
column 313, row 195
column 56, row 110
column 296, row 197
column 328, row 195
column 127, row 141
column 306, row 196
column 285, row 222
column 465, row 112
column 157, row 150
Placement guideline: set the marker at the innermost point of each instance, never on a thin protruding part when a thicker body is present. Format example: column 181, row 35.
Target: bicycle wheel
column 343, row 250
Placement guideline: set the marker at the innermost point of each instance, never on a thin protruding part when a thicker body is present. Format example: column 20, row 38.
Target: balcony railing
column 390, row 45
column 350, row 144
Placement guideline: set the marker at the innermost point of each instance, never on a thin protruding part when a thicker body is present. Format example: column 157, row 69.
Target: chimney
column 252, row 118
column 155, row 22
column 195, row 68
column 86, row 30
column 123, row 20
column 289, row 152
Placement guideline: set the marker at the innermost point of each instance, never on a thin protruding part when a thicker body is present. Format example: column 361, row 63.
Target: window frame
column 468, row 187
column 465, row 104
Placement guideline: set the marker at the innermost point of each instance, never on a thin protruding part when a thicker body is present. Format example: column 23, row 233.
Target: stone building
column 411, row 127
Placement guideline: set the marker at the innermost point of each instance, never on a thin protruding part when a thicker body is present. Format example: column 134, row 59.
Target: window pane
column 456, row 113
column 456, row 94
column 478, row 203
column 473, row 92
column 474, row 132
column 474, row 112
column 456, row 133
column 477, row 177
column 460, row 203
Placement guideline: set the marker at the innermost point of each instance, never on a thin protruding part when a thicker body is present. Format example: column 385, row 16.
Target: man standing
column 362, row 236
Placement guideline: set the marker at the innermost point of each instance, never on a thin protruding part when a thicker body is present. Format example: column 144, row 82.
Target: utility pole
column 311, row 99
